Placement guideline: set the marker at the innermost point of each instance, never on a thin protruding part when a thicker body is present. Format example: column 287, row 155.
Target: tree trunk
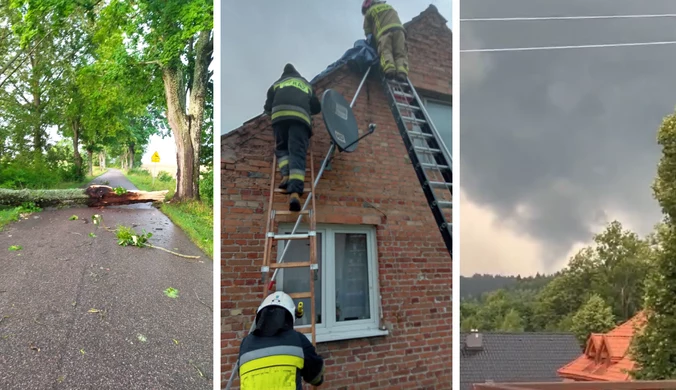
column 186, row 128
column 130, row 151
column 90, row 161
column 93, row 196
column 102, row 160
column 37, row 110
column 75, row 124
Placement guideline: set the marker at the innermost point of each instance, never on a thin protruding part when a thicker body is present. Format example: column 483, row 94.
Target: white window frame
column 330, row 329
column 441, row 103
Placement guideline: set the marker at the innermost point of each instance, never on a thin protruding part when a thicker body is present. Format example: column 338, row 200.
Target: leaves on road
column 171, row 292
column 15, row 247
column 73, row 218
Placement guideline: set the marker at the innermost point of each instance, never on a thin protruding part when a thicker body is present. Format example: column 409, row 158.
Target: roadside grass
column 195, row 218
column 144, row 181
column 12, row 214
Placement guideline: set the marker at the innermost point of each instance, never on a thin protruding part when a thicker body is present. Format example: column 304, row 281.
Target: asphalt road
column 136, row 337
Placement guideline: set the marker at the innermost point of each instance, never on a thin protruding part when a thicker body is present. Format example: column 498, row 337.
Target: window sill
column 338, row 335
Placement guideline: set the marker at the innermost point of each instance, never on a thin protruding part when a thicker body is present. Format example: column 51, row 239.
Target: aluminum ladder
column 429, row 155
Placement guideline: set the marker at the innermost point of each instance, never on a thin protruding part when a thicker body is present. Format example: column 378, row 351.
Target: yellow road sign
column 155, row 158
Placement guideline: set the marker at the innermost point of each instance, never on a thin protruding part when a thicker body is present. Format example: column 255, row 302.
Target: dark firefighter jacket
column 381, row 18
column 292, row 97
column 279, row 362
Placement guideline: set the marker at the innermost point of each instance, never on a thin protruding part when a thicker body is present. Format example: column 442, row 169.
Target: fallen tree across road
column 92, row 196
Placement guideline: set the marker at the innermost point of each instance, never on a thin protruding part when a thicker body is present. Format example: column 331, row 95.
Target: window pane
column 352, row 277
column 296, row 280
column 442, row 117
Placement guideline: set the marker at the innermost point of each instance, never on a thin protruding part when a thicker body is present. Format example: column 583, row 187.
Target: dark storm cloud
column 260, row 37
column 570, row 135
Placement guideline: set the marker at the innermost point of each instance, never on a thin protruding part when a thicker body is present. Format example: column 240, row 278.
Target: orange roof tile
column 605, row 357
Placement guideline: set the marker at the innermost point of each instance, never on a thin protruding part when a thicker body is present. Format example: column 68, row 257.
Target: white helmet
column 282, row 299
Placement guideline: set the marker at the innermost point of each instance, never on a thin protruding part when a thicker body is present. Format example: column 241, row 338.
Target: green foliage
column 171, row 292
column 139, row 172
column 165, row 177
column 595, row 316
column 73, row 218
column 127, row 236
column 15, row 247
column 11, row 214
column 207, row 187
column 119, row 190
column 196, row 219
column 613, row 270
column 654, row 349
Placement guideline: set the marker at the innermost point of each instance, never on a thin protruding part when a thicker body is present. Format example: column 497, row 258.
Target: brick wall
column 376, row 185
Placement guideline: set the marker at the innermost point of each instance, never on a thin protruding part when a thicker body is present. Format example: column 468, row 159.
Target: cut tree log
column 92, row 196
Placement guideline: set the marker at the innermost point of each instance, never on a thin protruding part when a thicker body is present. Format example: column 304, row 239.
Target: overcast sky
column 260, row 37
column 556, row 143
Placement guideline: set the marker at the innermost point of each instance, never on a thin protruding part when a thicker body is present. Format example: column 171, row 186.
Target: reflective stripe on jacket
column 279, row 362
column 381, row 18
column 292, row 97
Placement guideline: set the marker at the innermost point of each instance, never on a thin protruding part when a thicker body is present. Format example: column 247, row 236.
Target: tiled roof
column 605, row 358
column 516, row 357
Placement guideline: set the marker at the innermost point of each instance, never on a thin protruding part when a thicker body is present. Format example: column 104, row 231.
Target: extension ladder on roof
column 429, row 156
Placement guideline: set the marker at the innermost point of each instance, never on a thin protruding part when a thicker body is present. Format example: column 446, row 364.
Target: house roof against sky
column 431, row 11
column 605, row 357
column 516, row 357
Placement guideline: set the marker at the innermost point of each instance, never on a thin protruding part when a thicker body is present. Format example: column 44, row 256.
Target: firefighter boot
column 401, row 77
column 284, row 182
column 294, row 203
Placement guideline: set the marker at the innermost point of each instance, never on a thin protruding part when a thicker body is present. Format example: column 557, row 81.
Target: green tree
column 595, row 316
column 176, row 37
column 512, row 322
column 654, row 348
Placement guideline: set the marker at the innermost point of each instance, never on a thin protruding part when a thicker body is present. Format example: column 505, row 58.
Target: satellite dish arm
column 372, row 128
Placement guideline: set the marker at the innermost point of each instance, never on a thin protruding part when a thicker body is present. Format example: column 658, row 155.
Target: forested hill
column 479, row 284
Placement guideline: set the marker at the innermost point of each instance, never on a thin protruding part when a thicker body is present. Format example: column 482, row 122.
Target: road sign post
column 156, row 160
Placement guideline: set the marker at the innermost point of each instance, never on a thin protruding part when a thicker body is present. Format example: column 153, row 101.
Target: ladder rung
column 291, row 236
column 427, row 150
column 304, row 329
column 411, row 119
column 281, row 191
column 296, row 264
column 434, row 166
column 420, row 134
column 302, row 295
column 444, row 204
column 404, row 94
column 440, row 184
column 408, row 106
column 287, row 212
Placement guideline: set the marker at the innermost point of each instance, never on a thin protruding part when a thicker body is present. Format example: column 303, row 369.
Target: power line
column 567, row 47
column 568, row 18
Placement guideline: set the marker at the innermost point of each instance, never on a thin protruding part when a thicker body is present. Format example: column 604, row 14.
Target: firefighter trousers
column 291, row 142
column 393, row 52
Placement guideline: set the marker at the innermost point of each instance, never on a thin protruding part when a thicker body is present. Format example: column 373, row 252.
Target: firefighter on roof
column 276, row 356
column 291, row 102
column 382, row 21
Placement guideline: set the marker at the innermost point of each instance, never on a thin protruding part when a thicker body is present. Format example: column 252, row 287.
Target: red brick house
column 387, row 325
column 606, row 356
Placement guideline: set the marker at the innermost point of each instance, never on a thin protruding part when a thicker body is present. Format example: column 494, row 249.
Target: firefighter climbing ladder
column 429, row 156
column 342, row 127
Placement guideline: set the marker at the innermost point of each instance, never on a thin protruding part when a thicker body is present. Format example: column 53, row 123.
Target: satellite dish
column 340, row 121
